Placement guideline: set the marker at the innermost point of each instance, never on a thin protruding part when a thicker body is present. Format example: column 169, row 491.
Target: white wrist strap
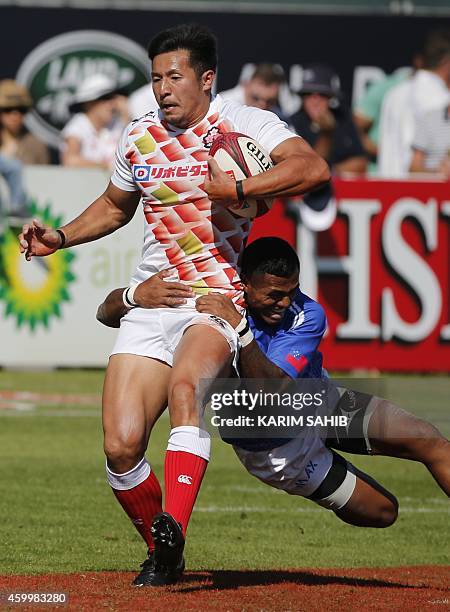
column 246, row 338
column 244, row 332
column 128, row 296
column 243, row 323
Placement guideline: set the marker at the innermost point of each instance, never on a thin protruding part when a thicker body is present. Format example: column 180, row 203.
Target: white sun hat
column 92, row 88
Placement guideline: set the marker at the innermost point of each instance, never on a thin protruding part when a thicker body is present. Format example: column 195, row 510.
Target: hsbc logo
column 184, row 479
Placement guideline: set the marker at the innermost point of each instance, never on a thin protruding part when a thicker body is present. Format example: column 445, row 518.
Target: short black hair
column 197, row 39
column 270, row 256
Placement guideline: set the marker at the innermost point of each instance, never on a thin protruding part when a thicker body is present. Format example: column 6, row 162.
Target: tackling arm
column 254, row 364
column 155, row 292
column 252, row 361
column 112, row 309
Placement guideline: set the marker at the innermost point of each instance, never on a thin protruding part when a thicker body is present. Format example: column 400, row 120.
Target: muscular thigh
column 134, row 395
column 203, row 353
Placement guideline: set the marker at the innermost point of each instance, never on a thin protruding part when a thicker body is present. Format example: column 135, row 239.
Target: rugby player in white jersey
column 191, row 234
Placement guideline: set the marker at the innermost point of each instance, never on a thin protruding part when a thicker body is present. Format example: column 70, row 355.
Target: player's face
column 269, row 296
column 182, row 95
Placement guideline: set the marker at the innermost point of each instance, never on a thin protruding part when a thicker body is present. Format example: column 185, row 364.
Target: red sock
column 141, row 503
column 183, row 474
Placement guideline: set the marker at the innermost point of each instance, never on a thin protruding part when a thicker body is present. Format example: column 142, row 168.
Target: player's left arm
column 298, row 169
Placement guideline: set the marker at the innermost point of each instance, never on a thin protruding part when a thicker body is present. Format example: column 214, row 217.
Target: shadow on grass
column 232, row 579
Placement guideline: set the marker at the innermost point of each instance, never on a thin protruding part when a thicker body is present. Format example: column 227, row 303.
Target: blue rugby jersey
column 293, row 347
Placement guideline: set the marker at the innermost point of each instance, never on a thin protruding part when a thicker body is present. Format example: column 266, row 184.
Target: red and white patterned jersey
column 198, row 241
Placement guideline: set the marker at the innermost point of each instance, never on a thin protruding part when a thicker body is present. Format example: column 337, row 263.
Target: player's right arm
column 112, row 210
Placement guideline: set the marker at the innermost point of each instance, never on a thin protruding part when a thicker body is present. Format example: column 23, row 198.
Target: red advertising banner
column 382, row 273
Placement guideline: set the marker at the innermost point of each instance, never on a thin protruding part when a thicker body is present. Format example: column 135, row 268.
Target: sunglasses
column 262, row 100
column 23, row 110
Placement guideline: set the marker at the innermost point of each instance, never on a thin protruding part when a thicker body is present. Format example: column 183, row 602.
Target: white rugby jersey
column 199, row 242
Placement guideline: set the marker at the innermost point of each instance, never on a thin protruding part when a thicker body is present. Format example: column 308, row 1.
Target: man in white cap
column 91, row 136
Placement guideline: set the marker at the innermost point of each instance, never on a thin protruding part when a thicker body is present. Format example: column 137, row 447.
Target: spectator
column 16, row 142
column 431, row 143
column 91, row 136
column 368, row 112
column 407, row 103
column 326, row 124
column 15, row 209
column 266, row 89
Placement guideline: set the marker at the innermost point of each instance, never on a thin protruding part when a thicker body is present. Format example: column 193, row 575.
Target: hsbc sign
column 382, row 273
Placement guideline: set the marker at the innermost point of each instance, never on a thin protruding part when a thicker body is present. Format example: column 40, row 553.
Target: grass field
column 59, row 515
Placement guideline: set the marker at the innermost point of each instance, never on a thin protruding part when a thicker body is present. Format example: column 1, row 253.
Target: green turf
column 57, row 514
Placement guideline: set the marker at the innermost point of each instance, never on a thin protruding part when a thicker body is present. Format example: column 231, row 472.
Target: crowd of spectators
column 400, row 125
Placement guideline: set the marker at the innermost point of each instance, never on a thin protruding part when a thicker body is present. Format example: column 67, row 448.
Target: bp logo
column 34, row 291
column 54, row 69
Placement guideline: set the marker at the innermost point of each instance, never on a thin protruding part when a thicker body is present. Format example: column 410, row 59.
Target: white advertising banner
column 48, row 306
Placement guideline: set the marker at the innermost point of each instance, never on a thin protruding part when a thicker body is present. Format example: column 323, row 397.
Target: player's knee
column 182, row 403
column 123, row 452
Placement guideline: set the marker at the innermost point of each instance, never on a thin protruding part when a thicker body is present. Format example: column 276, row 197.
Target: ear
column 208, row 79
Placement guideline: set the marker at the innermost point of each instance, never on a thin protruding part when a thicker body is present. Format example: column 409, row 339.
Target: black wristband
column 63, row 238
column 240, row 191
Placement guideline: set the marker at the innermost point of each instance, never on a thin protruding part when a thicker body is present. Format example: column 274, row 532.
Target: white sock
column 131, row 479
column 190, row 439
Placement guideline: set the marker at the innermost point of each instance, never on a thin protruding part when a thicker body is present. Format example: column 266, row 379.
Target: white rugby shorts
column 157, row 332
column 305, row 467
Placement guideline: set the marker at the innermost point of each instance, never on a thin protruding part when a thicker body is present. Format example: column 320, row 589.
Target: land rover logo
column 53, row 70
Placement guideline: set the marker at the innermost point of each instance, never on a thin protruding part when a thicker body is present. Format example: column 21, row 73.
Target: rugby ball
column 240, row 156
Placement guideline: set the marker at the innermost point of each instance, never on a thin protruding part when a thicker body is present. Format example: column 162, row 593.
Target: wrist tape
column 128, row 297
column 244, row 332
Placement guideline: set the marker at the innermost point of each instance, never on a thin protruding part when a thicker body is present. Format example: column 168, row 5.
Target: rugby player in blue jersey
column 280, row 337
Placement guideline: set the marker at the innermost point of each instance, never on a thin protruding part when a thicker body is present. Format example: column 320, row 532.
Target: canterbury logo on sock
column 183, row 479
column 137, row 521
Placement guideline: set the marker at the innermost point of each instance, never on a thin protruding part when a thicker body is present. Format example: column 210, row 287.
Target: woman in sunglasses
column 16, row 142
